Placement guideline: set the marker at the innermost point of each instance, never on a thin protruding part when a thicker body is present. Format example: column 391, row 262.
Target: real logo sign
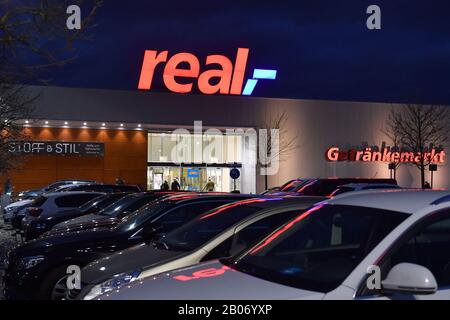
column 230, row 75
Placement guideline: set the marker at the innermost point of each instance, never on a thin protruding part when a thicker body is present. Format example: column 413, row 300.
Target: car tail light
column 34, row 212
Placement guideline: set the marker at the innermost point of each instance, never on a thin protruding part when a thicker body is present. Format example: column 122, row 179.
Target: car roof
column 268, row 202
column 55, row 194
column 363, row 185
column 186, row 197
column 401, row 200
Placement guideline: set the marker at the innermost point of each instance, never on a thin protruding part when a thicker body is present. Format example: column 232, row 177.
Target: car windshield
column 92, row 203
column 293, row 185
column 136, row 219
column 208, row 225
column 118, row 206
column 39, row 201
column 341, row 190
column 319, row 248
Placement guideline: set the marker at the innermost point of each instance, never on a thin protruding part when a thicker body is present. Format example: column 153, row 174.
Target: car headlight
column 112, row 284
column 29, row 262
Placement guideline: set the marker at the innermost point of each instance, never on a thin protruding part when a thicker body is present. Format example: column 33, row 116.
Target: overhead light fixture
column 66, row 123
column 85, row 124
column 46, row 122
column 139, row 125
column 121, row 124
column 26, row 121
column 103, row 124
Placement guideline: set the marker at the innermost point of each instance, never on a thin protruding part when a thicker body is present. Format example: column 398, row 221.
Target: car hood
column 207, row 281
column 73, row 240
column 90, row 222
column 19, row 204
column 136, row 257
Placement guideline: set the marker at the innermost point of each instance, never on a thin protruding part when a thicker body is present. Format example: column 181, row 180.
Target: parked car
column 37, row 269
column 11, row 209
column 47, row 206
column 325, row 186
column 113, row 213
column 221, row 232
column 329, row 252
column 107, row 188
column 45, row 221
column 31, row 194
column 362, row 186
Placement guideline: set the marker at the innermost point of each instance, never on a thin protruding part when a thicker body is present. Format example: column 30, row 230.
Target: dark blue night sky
column 321, row 49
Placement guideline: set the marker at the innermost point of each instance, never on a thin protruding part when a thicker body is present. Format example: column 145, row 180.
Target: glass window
column 92, row 203
column 293, row 185
column 208, row 225
column 183, row 214
column 429, row 247
column 39, row 201
column 254, row 232
column 73, row 201
column 318, row 249
column 341, row 190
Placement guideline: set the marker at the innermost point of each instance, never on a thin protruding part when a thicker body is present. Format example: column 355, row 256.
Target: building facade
column 146, row 138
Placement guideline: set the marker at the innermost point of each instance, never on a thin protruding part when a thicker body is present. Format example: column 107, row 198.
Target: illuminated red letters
column 231, row 78
column 204, row 273
column 384, row 155
column 171, row 71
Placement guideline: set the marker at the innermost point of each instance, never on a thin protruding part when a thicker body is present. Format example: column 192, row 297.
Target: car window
column 293, row 185
column 92, row 203
column 101, row 202
column 210, row 224
column 182, row 214
column 255, row 231
column 73, row 201
column 39, row 201
column 341, row 190
column 248, row 235
column 319, row 248
column 133, row 206
column 429, row 247
column 126, row 189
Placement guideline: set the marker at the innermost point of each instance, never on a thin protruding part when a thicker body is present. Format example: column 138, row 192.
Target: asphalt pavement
column 8, row 239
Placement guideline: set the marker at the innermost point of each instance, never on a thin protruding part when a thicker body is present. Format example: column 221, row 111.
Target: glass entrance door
column 192, row 178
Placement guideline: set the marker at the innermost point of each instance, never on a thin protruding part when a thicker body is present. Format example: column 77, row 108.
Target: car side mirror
column 409, row 278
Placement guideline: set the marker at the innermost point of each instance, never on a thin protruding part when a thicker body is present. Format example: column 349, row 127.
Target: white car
column 384, row 244
column 218, row 233
column 14, row 207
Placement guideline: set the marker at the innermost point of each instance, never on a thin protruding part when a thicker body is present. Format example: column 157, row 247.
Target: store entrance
column 192, row 178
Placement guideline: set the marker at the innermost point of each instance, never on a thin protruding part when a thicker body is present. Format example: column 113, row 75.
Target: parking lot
column 8, row 239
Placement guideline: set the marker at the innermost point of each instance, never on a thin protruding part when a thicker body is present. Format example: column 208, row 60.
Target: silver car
column 221, row 232
column 386, row 244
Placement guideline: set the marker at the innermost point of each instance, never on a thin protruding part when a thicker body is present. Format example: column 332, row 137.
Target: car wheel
column 54, row 286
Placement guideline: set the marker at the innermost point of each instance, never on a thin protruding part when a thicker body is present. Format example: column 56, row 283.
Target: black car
column 107, row 188
column 323, row 187
column 112, row 214
column 43, row 224
column 35, row 269
column 218, row 233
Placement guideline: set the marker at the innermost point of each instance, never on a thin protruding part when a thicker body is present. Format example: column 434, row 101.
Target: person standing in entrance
column 209, row 186
column 175, row 185
column 165, row 186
